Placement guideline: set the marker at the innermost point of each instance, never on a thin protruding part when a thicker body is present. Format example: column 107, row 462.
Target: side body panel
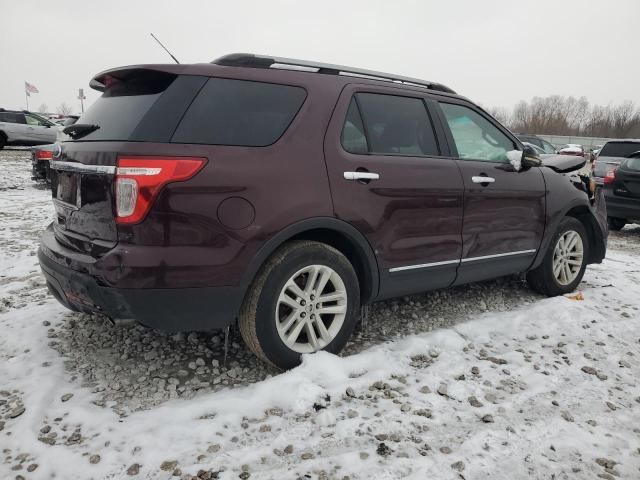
column 411, row 215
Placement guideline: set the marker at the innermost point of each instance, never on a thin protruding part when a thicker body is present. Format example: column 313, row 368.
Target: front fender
column 567, row 195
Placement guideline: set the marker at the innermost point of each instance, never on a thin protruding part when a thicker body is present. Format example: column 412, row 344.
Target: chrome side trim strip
column 424, row 265
column 82, row 168
column 498, row 255
column 464, row 260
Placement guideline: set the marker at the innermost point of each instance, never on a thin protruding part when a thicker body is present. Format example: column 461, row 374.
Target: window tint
column 353, row 137
column 619, row 149
column 397, row 125
column 238, row 112
column 11, row 117
column 475, row 137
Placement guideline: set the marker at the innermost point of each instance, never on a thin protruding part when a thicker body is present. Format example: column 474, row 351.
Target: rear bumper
column 167, row 309
column 622, row 207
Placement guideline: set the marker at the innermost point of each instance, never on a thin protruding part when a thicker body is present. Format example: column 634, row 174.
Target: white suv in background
column 25, row 128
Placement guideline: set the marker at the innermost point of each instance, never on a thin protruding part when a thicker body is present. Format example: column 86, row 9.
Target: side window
column 31, row 120
column 396, row 125
column 239, row 112
column 11, row 117
column 548, row 148
column 475, row 137
column 353, row 137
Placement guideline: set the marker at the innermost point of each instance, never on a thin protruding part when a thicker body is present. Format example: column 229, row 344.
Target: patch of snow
column 515, row 159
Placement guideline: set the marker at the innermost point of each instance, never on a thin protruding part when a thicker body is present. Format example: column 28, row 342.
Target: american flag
column 29, row 88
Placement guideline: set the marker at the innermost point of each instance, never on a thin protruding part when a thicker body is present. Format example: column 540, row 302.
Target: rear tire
column 283, row 315
column 3, row 140
column 565, row 261
column 616, row 224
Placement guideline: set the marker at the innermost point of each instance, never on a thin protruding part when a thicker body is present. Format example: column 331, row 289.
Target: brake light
column 610, row 177
column 44, row 155
column 140, row 179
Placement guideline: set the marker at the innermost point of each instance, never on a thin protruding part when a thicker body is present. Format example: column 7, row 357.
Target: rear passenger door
column 504, row 209
column 393, row 180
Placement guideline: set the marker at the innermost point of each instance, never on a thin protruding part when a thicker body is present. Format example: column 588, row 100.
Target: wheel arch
column 597, row 245
column 331, row 231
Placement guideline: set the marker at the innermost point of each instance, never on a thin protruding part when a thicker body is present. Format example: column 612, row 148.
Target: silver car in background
column 25, row 128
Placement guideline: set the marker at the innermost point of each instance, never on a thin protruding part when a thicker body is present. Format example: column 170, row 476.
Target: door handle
column 483, row 179
column 361, row 176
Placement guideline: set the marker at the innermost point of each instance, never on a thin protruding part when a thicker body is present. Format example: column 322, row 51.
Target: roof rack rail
column 259, row 61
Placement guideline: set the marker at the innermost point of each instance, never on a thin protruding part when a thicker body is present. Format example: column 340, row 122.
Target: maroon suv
column 285, row 194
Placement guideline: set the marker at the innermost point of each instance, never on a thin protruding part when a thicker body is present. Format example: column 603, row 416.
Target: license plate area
column 68, row 189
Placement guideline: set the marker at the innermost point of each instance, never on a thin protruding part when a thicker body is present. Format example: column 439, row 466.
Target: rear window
column 390, row 125
column 619, row 149
column 239, row 112
column 124, row 103
column 11, row 117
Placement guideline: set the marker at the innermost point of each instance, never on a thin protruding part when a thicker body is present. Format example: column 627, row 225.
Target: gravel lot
column 125, row 371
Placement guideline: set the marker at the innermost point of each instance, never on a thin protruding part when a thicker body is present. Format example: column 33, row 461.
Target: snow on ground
column 483, row 381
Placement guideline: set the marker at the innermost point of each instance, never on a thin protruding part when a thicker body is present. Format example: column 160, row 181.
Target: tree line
column 560, row 115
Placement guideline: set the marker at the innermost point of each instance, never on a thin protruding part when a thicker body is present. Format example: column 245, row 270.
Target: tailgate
column 82, row 193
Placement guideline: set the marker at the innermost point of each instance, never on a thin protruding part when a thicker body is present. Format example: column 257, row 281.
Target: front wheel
column 564, row 263
column 616, row 224
column 305, row 298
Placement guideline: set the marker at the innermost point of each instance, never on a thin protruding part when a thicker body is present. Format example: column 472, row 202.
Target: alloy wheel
column 311, row 308
column 568, row 256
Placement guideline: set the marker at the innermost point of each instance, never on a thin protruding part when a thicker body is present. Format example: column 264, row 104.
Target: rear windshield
column 124, row 103
column 239, row 112
column 151, row 106
column 619, row 149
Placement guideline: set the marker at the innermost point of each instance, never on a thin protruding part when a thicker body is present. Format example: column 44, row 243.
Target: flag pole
column 26, row 96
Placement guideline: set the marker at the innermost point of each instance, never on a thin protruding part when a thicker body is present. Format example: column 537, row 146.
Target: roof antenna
column 165, row 48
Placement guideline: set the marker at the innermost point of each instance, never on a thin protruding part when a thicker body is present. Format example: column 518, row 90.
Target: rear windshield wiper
column 78, row 130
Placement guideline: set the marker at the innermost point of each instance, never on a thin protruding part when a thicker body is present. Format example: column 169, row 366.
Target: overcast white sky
column 496, row 52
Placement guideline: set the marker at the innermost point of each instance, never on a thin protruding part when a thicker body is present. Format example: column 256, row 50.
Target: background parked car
column 40, row 158
column 622, row 193
column 25, row 128
column 611, row 155
column 546, row 147
column 572, row 149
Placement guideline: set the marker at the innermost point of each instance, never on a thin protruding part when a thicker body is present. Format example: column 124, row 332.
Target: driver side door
column 503, row 208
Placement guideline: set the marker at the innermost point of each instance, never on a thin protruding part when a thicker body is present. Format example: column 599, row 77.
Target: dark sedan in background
column 622, row 192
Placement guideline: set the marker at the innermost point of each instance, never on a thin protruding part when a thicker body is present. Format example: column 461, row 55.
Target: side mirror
column 530, row 157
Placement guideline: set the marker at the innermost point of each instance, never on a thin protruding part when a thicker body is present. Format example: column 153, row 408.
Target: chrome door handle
column 483, row 179
column 361, row 176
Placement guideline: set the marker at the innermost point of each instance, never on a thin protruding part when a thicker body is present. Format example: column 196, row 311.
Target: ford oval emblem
column 57, row 151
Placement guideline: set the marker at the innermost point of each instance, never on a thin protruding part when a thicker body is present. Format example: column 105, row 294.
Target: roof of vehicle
column 299, row 68
column 624, row 140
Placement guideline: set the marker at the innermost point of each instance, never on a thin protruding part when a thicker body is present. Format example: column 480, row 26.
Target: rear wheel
column 564, row 263
column 616, row 223
column 306, row 298
column 3, row 140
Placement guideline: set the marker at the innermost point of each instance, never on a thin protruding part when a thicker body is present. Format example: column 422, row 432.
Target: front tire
column 616, row 224
column 304, row 299
column 564, row 263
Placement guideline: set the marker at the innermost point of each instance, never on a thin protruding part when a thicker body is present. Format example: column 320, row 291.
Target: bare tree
column 64, row 109
column 558, row 115
column 43, row 108
column 500, row 113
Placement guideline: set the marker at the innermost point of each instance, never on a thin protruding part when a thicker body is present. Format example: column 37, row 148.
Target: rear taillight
column 44, row 155
column 610, row 177
column 140, row 179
